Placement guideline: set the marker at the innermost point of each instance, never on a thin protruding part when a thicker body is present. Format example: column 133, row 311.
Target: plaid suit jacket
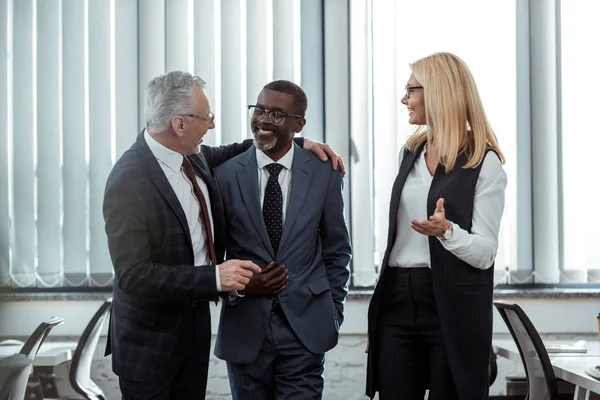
column 151, row 251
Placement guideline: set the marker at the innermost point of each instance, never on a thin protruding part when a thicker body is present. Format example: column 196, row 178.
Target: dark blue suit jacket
column 315, row 248
column 152, row 255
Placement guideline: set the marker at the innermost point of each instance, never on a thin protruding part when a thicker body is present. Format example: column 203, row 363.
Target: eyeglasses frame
column 210, row 118
column 268, row 112
column 410, row 89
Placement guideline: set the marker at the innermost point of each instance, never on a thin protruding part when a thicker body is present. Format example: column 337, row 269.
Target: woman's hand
column 437, row 223
column 367, row 349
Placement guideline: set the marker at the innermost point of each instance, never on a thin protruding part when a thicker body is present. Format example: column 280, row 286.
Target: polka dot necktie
column 273, row 206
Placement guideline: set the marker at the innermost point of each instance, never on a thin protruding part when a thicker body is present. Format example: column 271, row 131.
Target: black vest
column 463, row 293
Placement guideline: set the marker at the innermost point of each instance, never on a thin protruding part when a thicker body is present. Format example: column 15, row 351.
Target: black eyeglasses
column 410, row 89
column 276, row 117
column 209, row 118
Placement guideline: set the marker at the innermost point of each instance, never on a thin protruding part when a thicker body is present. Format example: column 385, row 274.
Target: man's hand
column 235, row 274
column 271, row 280
column 325, row 152
column 437, row 223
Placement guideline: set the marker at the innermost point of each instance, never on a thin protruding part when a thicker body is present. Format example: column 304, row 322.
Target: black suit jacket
column 152, row 255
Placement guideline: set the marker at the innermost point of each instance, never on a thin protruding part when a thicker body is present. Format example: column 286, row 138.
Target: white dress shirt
column 171, row 164
column 478, row 248
column 284, row 178
column 285, row 182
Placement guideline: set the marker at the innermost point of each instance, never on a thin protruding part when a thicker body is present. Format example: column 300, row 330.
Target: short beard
column 265, row 145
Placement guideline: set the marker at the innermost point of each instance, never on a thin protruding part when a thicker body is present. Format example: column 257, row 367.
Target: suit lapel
column 247, row 178
column 301, row 175
column 162, row 184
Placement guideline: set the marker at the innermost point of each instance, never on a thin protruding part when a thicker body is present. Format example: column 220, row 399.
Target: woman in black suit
column 430, row 318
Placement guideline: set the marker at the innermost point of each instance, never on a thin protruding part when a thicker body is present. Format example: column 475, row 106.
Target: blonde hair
column 456, row 121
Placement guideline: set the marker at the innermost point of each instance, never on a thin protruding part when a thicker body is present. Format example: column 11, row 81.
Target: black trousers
column 185, row 374
column 412, row 357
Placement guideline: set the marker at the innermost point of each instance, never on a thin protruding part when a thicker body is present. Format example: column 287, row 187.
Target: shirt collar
column 168, row 157
column 263, row 160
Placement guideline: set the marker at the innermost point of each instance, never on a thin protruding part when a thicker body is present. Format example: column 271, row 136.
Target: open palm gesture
column 436, row 225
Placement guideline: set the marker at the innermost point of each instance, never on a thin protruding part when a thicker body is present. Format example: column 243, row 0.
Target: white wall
column 575, row 315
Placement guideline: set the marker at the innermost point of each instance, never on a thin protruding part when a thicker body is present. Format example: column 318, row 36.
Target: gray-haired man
column 165, row 227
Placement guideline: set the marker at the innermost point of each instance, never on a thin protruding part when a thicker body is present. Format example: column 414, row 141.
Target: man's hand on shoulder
column 325, row 152
column 270, row 281
column 235, row 274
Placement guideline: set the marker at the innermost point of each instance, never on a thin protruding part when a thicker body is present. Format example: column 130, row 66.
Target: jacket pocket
column 137, row 314
column 318, row 286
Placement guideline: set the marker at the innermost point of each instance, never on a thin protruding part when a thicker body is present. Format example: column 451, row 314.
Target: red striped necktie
column 205, row 217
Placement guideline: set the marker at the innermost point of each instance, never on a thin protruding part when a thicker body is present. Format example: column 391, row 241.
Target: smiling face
column 191, row 129
column 416, row 102
column 275, row 140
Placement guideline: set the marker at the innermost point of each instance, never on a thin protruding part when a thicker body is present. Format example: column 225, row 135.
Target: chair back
column 10, row 370
column 81, row 364
column 541, row 382
column 19, row 378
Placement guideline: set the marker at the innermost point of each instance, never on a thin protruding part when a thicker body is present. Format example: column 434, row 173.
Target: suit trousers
column 184, row 376
column 412, row 356
column 283, row 370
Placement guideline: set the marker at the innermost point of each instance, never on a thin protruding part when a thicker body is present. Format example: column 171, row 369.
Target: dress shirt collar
column 263, row 160
column 168, row 157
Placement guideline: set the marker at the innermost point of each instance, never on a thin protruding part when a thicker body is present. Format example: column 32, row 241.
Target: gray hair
column 170, row 95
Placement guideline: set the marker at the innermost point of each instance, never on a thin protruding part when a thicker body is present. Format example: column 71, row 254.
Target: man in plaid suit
column 166, row 262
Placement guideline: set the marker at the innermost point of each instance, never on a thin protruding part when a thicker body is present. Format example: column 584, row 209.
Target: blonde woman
column 430, row 318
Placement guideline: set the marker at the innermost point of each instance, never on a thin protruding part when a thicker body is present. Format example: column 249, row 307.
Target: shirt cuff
column 457, row 239
column 235, row 293
column 217, row 278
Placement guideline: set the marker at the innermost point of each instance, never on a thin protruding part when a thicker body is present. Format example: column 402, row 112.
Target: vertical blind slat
column 177, row 38
column 521, row 249
column 259, row 42
column 75, row 226
column 207, row 43
column 312, row 66
column 4, row 159
column 49, row 180
column 233, row 70
column 362, row 135
column 100, row 86
column 385, row 111
column 126, row 74
column 337, row 107
column 23, row 144
column 544, row 111
column 151, row 48
column 286, row 40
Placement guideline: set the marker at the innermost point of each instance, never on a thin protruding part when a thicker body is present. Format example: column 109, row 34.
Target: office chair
column 81, row 364
column 541, row 382
column 18, row 379
column 10, row 369
column 493, row 368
